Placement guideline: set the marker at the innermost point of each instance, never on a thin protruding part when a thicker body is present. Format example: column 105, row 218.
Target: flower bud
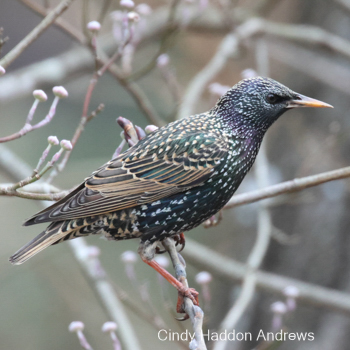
column 2, row 71
column 94, row 26
column 291, row 292
column 93, row 251
column 60, row 92
column 144, row 9
column 249, row 73
column 150, row 128
column 163, row 60
column 203, row 277
column 53, row 140
column 133, row 16
column 162, row 260
column 129, row 257
column 66, row 145
column 40, row 95
column 279, row 307
column 109, row 327
column 76, row 326
column 218, row 89
column 127, row 3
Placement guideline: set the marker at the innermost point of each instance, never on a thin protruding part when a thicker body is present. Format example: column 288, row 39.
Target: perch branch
column 194, row 312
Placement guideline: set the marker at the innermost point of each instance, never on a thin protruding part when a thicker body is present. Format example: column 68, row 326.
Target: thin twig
column 95, row 273
column 35, row 33
column 105, row 7
column 59, row 22
column 194, row 312
column 92, row 267
column 295, row 185
column 84, row 117
column 345, row 4
column 228, row 47
column 138, row 95
column 172, row 25
column 66, row 64
column 228, row 269
column 256, row 255
column 36, row 196
column 28, row 126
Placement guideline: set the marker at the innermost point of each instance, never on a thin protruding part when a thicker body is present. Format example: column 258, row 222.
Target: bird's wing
column 148, row 172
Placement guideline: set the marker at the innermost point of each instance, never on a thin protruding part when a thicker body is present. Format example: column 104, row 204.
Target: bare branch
column 194, row 312
column 27, row 125
column 225, row 268
column 91, row 265
column 228, row 47
column 60, row 22
column 256, row 255
column 297, row 184
column 35, row 33
column 138, row 95
column 95, row 273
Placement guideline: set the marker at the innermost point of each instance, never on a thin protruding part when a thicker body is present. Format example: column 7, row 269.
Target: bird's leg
column 183, row 290
column 147, row 251
column 179, row 266
column 180, row 239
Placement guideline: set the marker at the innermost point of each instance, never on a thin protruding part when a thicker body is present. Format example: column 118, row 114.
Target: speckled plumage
column 173, row 179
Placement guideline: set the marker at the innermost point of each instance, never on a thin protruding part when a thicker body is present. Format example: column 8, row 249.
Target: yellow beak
column 305, row 101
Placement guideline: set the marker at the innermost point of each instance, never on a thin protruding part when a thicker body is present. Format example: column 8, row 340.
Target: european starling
column 173, row 179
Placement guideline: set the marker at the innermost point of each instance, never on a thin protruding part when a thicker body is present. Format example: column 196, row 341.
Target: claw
column 183, row 318
column 159, row 251
column 180, row 240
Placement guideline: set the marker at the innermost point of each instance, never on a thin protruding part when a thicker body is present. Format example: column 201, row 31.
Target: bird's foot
column 182, row 290
column 180, row 239
column 180, row 306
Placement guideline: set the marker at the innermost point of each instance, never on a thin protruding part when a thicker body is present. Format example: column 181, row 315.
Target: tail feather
column 50, row 236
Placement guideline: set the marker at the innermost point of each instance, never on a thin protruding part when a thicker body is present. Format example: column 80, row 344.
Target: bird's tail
column 53, row 234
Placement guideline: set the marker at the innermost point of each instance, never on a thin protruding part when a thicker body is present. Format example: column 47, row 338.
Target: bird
column 173, row 179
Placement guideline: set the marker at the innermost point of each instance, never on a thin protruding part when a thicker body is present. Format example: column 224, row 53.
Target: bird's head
column 258, row 102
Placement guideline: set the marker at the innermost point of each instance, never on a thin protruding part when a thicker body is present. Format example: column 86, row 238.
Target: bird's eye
column 272, row 98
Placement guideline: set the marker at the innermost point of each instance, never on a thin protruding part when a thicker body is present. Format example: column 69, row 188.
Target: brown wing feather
column 138, row 176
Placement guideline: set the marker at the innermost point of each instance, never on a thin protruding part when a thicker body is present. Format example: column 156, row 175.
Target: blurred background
column 310, row 53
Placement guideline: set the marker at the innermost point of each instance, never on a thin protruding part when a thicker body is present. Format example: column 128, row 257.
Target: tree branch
column 60, row 22
column 194, row 312
column 226, row 269
column 295, row 185
column 91, row 265
column 35, row 33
